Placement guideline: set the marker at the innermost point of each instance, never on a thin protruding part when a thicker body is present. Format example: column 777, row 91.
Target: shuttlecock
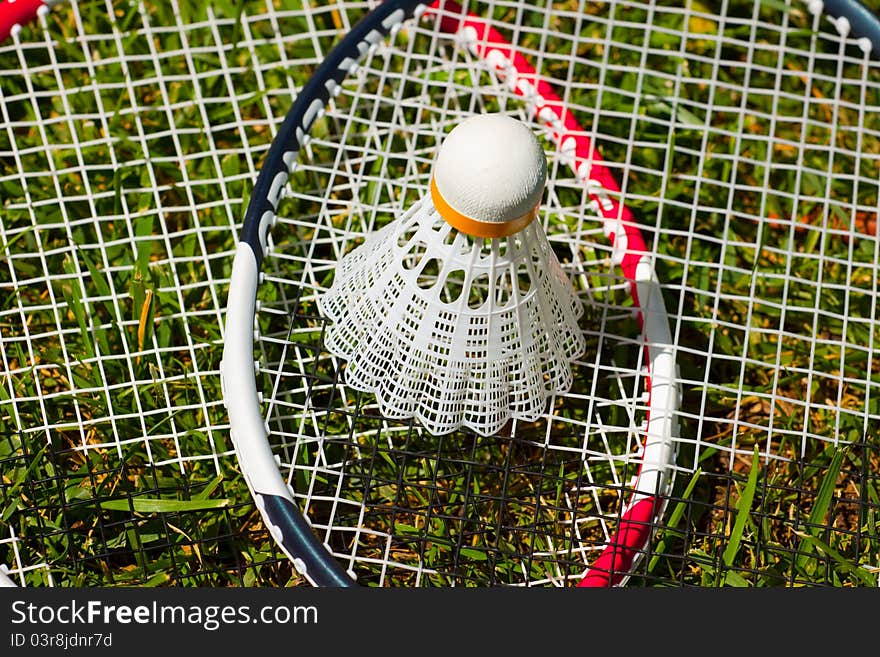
column 458, row 313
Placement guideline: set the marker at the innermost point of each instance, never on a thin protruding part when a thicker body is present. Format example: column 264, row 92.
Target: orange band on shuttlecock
column 476, row 228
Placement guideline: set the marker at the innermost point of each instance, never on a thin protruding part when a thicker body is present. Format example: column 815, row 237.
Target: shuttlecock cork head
column 489, row 176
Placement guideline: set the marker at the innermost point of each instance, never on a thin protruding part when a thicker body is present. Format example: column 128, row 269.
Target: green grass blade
column 820, row 507
column 743, row 507
column 209, row 489
column 675, row 518
column 865, row 577
column 154, row 505
column 73, row 296
column 20, row 480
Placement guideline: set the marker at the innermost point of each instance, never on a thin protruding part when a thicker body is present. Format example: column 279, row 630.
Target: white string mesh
column 129, row 135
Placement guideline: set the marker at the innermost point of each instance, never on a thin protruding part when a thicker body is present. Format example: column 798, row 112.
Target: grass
column 115, row 462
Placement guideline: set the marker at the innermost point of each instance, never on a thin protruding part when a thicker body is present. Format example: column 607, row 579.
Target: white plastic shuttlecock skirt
column 452, row 330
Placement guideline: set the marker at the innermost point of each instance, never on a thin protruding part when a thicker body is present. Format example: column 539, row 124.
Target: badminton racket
column 333, row 447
